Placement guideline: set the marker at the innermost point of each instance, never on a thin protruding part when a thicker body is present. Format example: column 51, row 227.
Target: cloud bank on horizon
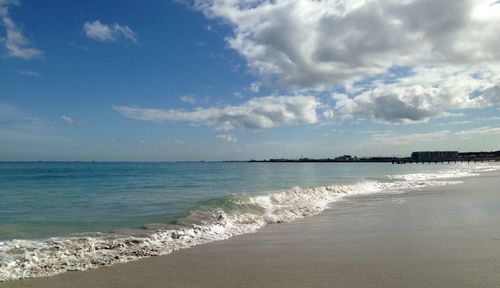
column 389, row 61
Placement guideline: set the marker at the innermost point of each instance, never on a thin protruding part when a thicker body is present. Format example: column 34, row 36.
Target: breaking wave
column 214, row 220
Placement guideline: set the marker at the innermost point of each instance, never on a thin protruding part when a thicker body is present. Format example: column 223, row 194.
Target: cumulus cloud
column 15, row 42
column 227, row 138
column 326, row 45
column 257, row 113
column 107, row 33
column 428, row 92
column 317, row 43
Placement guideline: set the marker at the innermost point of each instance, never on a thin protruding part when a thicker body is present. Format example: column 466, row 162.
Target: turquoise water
column 40, row 199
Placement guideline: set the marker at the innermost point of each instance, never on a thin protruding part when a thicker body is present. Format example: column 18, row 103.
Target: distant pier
column 410, row 161
column 442, row 157
column 420, row 157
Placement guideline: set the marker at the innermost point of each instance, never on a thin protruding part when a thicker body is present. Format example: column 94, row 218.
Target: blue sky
column 229, row 80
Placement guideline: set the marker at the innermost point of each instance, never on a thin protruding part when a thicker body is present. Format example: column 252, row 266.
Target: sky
column 254, row 79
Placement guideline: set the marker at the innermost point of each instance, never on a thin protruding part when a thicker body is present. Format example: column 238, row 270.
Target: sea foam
column 38, row 258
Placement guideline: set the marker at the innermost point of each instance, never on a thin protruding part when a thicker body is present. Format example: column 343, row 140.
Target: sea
column 72, row 216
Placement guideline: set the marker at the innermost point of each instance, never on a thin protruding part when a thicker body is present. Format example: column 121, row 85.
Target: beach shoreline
column 434, row 237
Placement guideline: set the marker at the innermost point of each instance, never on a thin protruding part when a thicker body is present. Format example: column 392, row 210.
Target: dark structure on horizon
column 416, row 157
column 426, row 156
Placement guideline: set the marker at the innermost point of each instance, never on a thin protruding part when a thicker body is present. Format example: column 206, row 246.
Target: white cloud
column 179, row 142
column 486, row 130
column 257, row 113
column 329, row 115
column 255, row 87
column 393, row 139
column 10, row 115
column 68, row 120
column 18, row 126
column 384, row 139
column 106, row 33
column 455, row 123
column 227, row 138
column 29, row 73
column 427, row 92
column 188, row 99
column 15, row 42
column 322, row 45
column 451, row 114
column 317, row 43
column 490, row 118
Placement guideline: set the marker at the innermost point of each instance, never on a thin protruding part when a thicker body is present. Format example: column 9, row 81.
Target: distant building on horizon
column 423, row 156
column 346, row 158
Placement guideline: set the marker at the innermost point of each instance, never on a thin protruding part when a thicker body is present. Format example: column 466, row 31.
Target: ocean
column 57, row 217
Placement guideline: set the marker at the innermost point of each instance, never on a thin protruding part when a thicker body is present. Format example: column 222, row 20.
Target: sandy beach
column 437, row 237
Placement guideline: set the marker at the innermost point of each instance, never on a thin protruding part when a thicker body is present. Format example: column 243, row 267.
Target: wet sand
column 439, row 237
